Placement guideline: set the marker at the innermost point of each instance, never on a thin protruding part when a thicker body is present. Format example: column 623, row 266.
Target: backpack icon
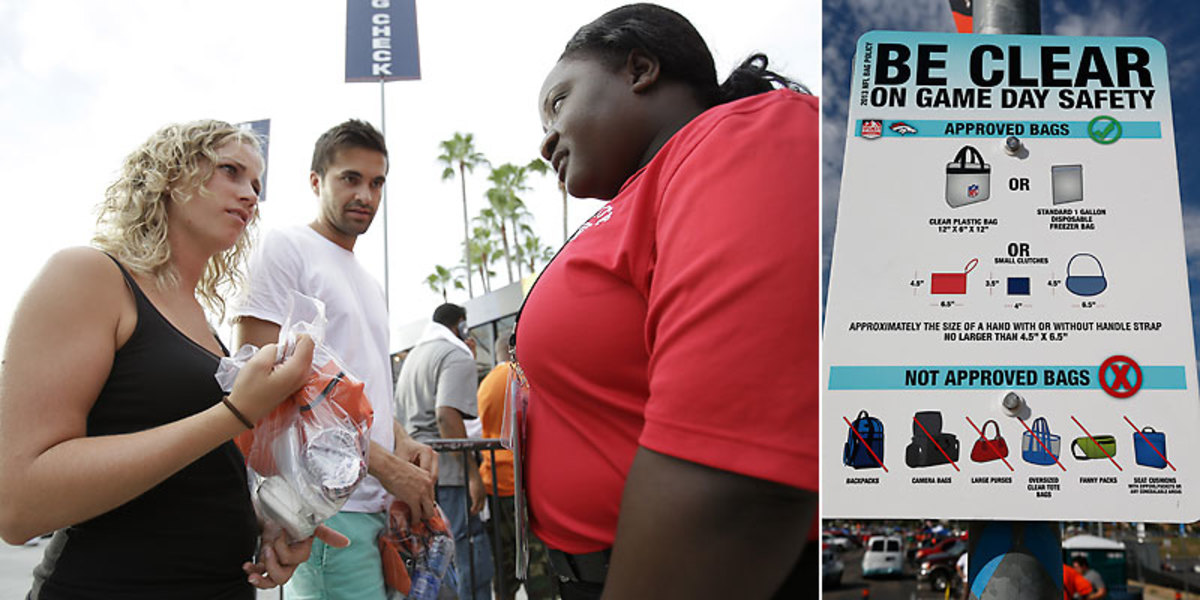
column 857, row 455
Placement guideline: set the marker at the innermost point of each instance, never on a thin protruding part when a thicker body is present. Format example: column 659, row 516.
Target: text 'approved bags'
column 1040, row 447
column 930, row 445
column 864, row 429
column 988, row 449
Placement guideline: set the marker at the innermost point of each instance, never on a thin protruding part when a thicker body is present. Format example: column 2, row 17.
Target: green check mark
column 1104, row 130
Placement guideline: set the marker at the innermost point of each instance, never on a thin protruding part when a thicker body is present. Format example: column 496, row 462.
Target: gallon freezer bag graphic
column 1040, row 447
column 930, row 445
column 968, row 178
column 1150, row 448
column 864, row 429
column 1085, row 275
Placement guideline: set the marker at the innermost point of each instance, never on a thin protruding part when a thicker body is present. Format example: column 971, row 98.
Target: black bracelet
column 237, row 413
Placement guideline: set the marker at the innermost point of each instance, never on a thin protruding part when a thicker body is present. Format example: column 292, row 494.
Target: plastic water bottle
column 428, row 573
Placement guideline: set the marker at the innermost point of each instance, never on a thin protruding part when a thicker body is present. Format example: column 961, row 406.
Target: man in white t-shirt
column 349, row 167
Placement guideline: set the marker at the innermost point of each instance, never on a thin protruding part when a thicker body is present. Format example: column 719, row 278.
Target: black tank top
column 186, row 537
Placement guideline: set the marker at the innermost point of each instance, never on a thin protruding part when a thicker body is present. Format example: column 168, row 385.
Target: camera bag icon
column 968, row 178
column 857, row 455
column 988, row 449
column 1150, row 448
column 1041, row 447
column 927, row 438
column 1088, row 448
column 1086, row 278
column 951, row 283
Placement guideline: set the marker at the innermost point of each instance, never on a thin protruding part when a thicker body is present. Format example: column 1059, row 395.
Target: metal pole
column 1010, row 560
column 467, row 525
column 387, row 297
column 1007, row 16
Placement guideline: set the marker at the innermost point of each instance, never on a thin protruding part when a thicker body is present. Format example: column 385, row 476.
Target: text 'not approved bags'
column 1040, row 447
column 988, row 449
column 930, row 445
column 864, row 429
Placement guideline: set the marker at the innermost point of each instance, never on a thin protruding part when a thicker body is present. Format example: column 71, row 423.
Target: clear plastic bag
column 309, row 454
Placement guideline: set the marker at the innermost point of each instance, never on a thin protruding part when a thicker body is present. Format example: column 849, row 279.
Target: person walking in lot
column 434, row 394
column 1099, row 590
column 113, row 429
column 539, row 585
column 671, row 347
column 349, row 167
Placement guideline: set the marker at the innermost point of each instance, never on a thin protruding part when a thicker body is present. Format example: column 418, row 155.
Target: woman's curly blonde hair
column 172, row 165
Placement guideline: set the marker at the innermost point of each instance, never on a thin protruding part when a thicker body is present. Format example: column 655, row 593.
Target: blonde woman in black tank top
column 113, row 432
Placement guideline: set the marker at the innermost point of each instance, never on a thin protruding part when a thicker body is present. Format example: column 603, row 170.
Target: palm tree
column 509, row 180
column 441, row 278
column 495, row 218
column 534, row 251
column 459, row 153
column 482, row 249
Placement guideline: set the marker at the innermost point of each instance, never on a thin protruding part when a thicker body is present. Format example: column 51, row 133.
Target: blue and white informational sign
column 381, row 40
column 261, row 128
column 1009, row 226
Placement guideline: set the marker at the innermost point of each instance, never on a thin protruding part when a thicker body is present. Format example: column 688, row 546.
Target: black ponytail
column 752, row 77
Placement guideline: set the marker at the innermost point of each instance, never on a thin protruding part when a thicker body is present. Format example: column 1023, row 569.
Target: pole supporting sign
column 381, row 40
column 1008, row 302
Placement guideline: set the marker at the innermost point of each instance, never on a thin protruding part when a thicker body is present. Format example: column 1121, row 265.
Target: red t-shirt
column 682, row 318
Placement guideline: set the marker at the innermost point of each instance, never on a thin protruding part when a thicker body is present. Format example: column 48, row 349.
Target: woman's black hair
column 681, row 52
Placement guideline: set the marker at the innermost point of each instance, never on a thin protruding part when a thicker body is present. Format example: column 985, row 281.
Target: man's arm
column 411, row 483
column 691, row 531
column 450, row 426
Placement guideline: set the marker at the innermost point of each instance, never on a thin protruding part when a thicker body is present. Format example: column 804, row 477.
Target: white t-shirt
column 298, row 258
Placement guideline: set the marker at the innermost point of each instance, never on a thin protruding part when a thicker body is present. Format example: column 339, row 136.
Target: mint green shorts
column 351, row 573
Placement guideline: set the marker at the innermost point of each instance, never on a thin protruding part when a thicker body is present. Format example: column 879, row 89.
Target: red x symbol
column 1120, row 387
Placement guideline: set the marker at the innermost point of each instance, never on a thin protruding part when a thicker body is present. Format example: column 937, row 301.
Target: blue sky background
column 1175, row 23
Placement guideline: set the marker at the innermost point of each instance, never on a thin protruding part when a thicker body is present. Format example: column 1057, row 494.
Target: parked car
column 837, row 542
column 831, row 568
column 938, row 569
column 946, row 545
column 884, row 556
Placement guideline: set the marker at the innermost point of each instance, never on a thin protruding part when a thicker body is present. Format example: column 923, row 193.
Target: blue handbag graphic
column 1150, row 448
column 1087, row 278
column 857, row 455
column 1047, row 451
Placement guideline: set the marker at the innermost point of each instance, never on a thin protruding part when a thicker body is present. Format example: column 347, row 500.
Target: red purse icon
column 989, row 449
column 952, row 283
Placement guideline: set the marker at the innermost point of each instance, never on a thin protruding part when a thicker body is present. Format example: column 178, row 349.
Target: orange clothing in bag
column 326, row 383
column 403, row 540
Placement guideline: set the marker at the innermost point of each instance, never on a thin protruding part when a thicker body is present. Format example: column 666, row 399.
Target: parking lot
column 903, row 587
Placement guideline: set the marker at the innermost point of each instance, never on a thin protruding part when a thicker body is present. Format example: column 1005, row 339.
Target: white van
column 884, row 556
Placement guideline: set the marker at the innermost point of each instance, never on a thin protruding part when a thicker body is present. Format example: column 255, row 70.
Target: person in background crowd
column 672, row 451
column 130, row 455
column 1099, row 590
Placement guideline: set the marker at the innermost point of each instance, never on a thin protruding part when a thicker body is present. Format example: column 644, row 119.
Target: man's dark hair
column 681, row 52
column 1081, row 560
column 350, row 134
column 449, row 315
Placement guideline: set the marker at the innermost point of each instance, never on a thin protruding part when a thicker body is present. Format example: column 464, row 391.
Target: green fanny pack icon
column 1100, row 446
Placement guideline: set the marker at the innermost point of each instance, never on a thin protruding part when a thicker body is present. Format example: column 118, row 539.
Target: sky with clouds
column 1172, row 22
column 85, row 82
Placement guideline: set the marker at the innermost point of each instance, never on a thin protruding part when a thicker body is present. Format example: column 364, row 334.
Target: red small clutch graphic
column 952, row 283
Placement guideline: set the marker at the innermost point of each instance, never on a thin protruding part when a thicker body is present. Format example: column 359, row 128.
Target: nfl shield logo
column 972, row 190
column 871, row 129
